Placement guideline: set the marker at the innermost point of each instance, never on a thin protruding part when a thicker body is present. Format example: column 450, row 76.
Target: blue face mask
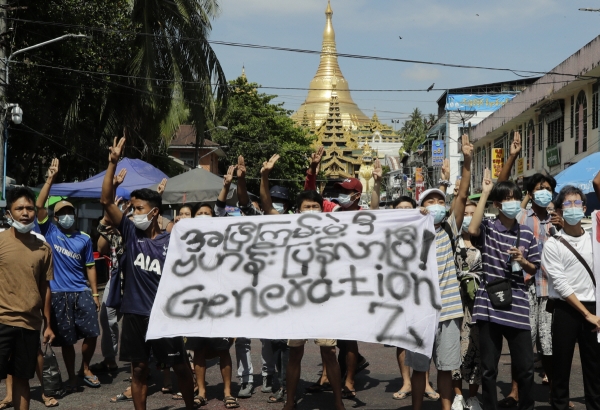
column 573, row 215
column 466, row 223
column 345, row 200
column 511, row 209
column 66, row 221
column 278, row 207
column 542, row 198
column 438, row 212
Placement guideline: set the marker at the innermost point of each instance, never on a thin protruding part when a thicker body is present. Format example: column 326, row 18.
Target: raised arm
column 310, row 183
column 40, row 203
column 596, row 184
column 487, row 185
column 242, row 191
column 515, row 149
column 265, row 195
column 227, row 179
column 463, row 190
column 445, row 175
column 377, row 177
column 161, row 187
column 107, row 198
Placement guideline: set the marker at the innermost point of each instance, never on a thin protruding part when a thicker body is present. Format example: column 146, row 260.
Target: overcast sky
column 531, row 35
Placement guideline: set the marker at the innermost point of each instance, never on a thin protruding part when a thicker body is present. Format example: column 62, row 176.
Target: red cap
column 350, row 183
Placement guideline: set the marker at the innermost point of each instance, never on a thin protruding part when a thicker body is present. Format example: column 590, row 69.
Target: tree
column 414, row 131
column 257, row 130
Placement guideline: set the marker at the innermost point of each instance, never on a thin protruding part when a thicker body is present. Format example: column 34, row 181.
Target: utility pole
column 3, row 53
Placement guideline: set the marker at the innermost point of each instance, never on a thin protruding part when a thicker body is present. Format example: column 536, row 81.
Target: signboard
column 472, row 102
column 497, row 162
column 552, row 156
column 437, row 153
column 520, row 166
column 302, row 276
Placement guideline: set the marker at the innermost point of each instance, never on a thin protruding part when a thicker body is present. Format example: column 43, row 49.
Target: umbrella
column 581, row 174
column 196, row 185
column 140, row 175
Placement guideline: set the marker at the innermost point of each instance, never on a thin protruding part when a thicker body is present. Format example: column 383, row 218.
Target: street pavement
column 375, row 385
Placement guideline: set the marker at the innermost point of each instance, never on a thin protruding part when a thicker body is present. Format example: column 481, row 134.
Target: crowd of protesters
column 525, row 275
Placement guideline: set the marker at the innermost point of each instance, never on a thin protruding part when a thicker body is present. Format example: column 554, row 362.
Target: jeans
column 244, row 360
column 521, row 355
column 570, row 327
column 267, row 357
column 109, row 323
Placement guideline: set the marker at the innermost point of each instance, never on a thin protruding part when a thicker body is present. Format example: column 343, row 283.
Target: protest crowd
column 525, row 275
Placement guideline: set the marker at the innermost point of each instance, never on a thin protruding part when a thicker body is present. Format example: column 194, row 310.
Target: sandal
column 231, row 402
column 5, row 405
column 200, row 401
column 278, row 397
column 92, row 381
column 348, row 394
column 401, row 395
column 431, row 395
column 167, row 390
column 102, row 367
column 508, row 402
column 49, row 401
column 545, row 380
column 120, row 397
column 318, row 387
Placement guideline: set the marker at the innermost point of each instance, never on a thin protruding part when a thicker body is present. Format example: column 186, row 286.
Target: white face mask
column 141, row 221
column 19, row 227
column 279, row 207
column 66, row 221
column 311, row 211
column 203, row 216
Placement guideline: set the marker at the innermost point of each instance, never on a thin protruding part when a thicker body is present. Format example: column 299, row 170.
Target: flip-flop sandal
column 50, row 401
column 508, row 402
column 231, row 402
column 120, row 398
column 401, row 395
column 5, row 405
column 200, row 401
column 318, row 388
column 278, row 397
column 92, row 381
column 348, row 394
column 431, row 395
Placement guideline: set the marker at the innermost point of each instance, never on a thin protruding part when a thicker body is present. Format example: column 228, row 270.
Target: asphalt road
column 375, row 385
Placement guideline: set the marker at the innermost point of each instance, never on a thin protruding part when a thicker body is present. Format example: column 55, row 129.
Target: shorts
column 541, row 322
column 135, row 348
column 318, row 342
column 73, row 317
column 18, row 351
column 218, row 344
column 446, row 349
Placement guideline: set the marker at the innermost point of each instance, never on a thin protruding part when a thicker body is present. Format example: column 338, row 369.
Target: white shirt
column 566, row 275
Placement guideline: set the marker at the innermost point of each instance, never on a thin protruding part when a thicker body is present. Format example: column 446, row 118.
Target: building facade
column 182, row 149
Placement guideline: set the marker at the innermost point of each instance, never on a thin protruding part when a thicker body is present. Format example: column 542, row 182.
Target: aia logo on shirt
column 147, row 264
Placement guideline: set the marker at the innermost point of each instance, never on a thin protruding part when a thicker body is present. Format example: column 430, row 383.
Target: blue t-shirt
column 72, row 254
column 142, row 266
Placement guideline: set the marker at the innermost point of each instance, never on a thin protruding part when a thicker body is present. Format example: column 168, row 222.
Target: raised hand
column 445, row 174
column 161, row 187
column 377, row 171
column 116, row 150
column 467, row 147
column 228, row 178
column 269, row 165
column 487, row 184
column 53, row 169
column 315, row 158
column 118, row 179
column 515, row 146
column 118, row 199
column 241, row 167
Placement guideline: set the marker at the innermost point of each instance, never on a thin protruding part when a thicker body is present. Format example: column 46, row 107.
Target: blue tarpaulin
column 581, row 174
column 140, row 174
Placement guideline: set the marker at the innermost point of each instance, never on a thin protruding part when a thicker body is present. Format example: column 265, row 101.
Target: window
column 581, row 123
column 540, row 134
column 531, row 140
column 556, row 129
column 572, row 115
column 595, row 106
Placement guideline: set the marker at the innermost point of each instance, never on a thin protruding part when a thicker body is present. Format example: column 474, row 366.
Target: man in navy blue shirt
column 75, row 308
column 144, row 259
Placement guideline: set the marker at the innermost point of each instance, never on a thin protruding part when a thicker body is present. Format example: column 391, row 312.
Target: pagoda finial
column 244, row 72
column 329, row 11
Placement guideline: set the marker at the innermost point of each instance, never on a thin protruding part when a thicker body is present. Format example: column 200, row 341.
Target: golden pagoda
column 315, row 108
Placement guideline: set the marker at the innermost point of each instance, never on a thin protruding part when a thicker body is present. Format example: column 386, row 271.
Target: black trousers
column 521, row 355
column 569, row 327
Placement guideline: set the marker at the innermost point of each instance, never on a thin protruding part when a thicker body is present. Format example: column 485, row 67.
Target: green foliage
column 257, row 130
column 415, row 130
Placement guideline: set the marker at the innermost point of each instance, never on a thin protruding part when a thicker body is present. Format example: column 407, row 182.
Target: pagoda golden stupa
column 316, row 106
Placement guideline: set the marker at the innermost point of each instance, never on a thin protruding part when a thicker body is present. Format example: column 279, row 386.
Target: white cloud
column 421, row 73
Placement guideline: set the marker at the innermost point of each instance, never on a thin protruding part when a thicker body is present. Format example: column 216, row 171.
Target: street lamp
column 197, row 147
column 17, row 112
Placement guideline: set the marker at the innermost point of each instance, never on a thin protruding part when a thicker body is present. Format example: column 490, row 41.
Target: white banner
column 368, row 275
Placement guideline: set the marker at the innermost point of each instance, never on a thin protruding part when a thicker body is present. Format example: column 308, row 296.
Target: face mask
column 573, row 215
column 345, row 200
column 466, row 223
column 280, row 208
column 141, row 221
column 19, row 226
column 66, row 221
column 122, row 207
column 511, row 209
column 310, row 211
column 542, row 198
column 438, row 212
column 203, row 216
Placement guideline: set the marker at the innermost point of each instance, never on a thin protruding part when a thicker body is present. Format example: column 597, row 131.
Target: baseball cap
column 350, row 183
column 280, row 192
column 428, row 192
column 62, row 204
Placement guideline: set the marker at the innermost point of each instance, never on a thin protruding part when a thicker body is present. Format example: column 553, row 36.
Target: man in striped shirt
column 509, row 251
